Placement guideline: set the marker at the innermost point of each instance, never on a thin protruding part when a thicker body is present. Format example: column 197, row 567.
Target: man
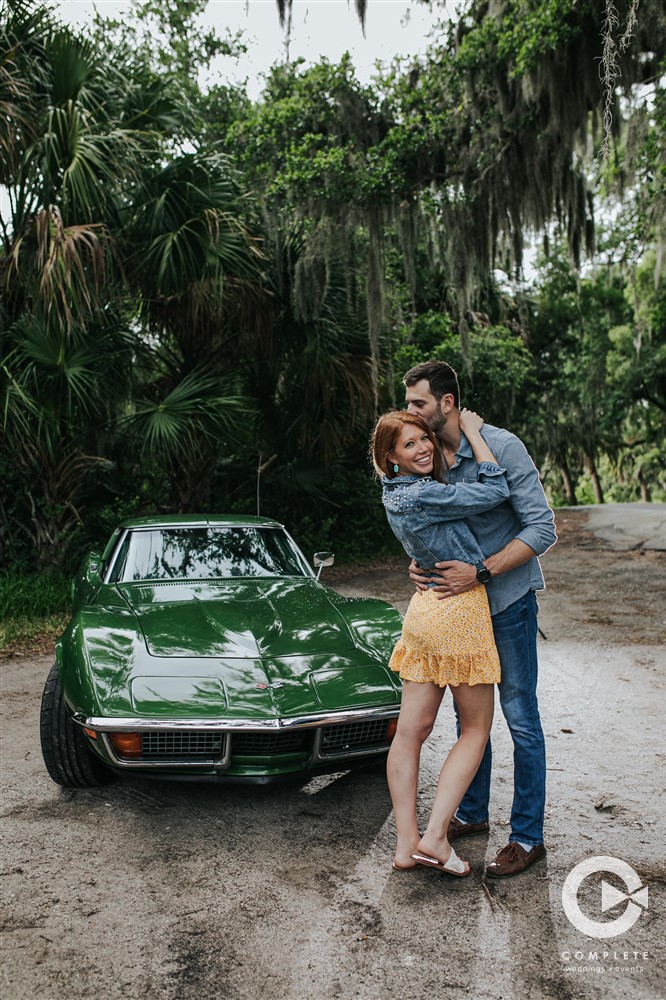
column 511, row 537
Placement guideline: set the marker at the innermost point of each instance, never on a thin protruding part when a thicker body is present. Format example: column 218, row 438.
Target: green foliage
column 32, row 608
column 525, row 33
column 495, row 370
column 194, row 408
column 195, row 286
column 349, row 521
column 600, row 382
column 43, row 595
column 30, row 633
column 169, row 41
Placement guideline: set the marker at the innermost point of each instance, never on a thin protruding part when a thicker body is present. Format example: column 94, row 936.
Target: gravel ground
column 152, row 889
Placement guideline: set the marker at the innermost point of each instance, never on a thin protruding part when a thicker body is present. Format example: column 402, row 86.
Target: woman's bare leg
column 475, row 707
column 418, row 711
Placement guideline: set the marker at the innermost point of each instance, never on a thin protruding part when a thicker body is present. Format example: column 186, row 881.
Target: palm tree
column 54, row 265
column 188, row 251
column 109, row 257
column 194, row 264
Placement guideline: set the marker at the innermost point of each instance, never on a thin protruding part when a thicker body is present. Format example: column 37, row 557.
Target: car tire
column 69, row 761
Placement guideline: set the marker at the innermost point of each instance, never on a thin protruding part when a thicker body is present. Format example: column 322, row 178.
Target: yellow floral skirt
column 449, row 641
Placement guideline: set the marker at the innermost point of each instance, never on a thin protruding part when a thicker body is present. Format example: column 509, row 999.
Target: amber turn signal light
column 126, row 744
column 391, row 729
column 90, row 732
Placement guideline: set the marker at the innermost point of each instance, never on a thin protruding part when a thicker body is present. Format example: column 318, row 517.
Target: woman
column 443, row 642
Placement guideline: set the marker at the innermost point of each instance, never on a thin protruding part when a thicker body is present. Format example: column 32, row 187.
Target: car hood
column 265, row 689
column 244, row 650
column 248, row 619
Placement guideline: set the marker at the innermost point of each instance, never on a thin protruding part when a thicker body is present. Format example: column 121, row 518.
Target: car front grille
column 351, row 736
column 187, row 743
column 202, row 745
column 261, row 744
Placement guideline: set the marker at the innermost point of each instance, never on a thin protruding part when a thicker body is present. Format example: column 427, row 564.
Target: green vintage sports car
column 205, row 647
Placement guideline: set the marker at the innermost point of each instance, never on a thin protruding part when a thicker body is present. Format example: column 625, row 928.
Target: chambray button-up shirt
column 525, row 515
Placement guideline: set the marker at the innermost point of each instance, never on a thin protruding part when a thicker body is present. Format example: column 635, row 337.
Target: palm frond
column 191, row 246
column 197, row 407
column 73, row 66
column 23, row 30
column 78, row 166
column 18, row 406
column 150, row 105
column 71, row 261
column 56, row 373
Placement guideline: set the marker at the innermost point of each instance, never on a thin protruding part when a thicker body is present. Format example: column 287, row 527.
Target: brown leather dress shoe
column 459, row 829
column 514, row 859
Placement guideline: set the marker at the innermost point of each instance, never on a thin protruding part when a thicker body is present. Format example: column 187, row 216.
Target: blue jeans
column 515, row 631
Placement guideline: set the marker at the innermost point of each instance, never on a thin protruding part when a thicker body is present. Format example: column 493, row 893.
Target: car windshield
column 207, row 554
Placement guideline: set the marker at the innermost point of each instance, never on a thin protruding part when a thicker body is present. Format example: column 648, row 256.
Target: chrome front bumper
column 321, row 751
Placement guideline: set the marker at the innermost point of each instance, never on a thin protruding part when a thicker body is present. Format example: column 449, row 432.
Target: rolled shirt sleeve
column 524, row 515
column 528, row 498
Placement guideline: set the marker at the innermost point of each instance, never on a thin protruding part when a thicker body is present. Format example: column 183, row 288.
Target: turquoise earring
column 396, row 468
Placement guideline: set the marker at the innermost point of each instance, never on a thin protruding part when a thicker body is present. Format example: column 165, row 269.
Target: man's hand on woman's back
column 454, row 577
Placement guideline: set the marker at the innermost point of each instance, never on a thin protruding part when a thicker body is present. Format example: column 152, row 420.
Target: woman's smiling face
column 413, row 452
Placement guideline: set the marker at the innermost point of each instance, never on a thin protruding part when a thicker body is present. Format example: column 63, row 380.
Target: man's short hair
column 441, row 378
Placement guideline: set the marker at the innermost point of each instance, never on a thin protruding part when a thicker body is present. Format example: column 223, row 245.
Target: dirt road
column 176, row 891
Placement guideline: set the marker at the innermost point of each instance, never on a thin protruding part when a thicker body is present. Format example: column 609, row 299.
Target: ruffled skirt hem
column 450, row 669
column 449, row 641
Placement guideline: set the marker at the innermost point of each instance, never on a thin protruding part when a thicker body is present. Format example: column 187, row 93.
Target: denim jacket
column 427, row 517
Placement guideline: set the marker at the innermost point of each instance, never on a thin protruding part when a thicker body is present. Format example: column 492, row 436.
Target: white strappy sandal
column 454, row 866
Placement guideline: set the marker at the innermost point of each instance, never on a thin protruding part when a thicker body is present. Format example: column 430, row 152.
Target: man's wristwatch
column 483, row 574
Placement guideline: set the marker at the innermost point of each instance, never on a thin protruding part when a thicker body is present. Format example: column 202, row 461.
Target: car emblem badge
column 275, row 686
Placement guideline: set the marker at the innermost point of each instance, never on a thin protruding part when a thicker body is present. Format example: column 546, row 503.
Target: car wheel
column 68, row 759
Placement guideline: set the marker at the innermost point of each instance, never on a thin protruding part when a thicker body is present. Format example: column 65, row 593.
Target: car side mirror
column 322, row 559
column 87, row 581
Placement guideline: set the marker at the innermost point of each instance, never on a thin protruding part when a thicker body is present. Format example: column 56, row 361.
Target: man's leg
column 473, row 808
column 515, row 632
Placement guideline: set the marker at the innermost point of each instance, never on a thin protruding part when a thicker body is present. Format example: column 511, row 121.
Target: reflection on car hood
column 238, row 618
column 267, row 689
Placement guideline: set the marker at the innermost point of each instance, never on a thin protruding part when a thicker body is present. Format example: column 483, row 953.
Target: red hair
column 385, row 436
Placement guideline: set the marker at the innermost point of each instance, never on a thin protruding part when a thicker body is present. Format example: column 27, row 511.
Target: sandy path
column 160, row 890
